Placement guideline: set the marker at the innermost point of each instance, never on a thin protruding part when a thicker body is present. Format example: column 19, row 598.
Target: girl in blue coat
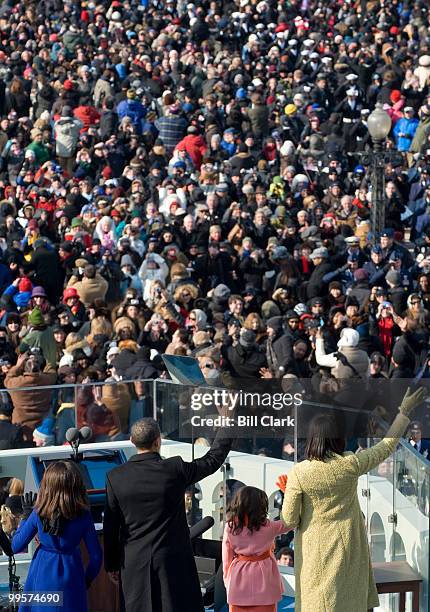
column 61, row 519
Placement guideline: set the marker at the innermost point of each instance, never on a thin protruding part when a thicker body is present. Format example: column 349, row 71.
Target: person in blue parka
column 133, row 108
column 405, row 128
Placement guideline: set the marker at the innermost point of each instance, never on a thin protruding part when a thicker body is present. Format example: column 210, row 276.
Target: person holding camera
column 91, row 286
column 385, row 324
column 30, row 407
column 155, row 334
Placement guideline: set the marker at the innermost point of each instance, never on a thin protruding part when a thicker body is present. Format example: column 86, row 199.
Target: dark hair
column 324, row 438
column 183, row 335
column 145, row 432
column 90, row 271
column 248, row 508
column 285, row 550
column 62, row 492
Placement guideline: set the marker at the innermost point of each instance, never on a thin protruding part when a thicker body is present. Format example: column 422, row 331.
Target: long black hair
column 324, row 438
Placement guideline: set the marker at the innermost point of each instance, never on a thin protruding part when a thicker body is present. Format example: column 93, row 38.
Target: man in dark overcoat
column 147, row 545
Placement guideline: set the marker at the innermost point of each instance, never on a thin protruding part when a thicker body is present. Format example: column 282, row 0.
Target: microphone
column 72, row 435
column 5, row 544
column 85, row 433
column 199, row 528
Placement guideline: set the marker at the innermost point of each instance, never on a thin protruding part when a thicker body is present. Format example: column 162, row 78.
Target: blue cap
column 387, row 232
column 395, row 256
column 376, row 249
column 180, row 164
column 359, row 169
column 46, row 429
column 241, row 94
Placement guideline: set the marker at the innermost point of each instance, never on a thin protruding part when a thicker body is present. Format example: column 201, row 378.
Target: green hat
column 136, row 213
column 36, row 318
column 76, row 222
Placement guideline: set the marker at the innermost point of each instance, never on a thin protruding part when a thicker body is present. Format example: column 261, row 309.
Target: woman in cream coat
column 332, row 561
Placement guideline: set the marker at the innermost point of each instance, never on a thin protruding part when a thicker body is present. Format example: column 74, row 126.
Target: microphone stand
column 82, row 435
column 13, row 583
column 6, row 547
column 75, row 449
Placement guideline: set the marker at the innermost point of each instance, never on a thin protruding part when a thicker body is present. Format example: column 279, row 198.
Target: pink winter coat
column 252, row 583
column 395, row 111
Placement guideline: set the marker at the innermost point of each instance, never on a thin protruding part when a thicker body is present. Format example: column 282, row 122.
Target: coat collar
column 145, row 456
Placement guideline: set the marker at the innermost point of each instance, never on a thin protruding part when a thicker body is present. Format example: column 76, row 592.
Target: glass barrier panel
column 394, row 497
column 380, row 499
column 40, row 416
column 411, row 506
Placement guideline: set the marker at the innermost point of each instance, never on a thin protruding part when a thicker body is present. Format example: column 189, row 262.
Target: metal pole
column 378, row 188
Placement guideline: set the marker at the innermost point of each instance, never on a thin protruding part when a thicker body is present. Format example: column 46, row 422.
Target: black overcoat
column 146, row 536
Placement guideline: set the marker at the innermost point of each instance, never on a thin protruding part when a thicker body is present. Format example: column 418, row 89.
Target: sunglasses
column 416, row 302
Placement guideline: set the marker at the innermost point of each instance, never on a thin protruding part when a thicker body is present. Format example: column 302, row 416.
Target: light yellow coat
column 332, row 560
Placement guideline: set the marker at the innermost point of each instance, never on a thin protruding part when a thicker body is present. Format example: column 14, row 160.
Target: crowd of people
column 193, row 179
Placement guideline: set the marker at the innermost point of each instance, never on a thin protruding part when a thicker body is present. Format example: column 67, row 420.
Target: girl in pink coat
column 251, row 574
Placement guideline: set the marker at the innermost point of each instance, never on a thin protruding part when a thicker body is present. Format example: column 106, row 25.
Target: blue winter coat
column 133, row 109
column 21, row 298
column 57, row 563
column 408, row 127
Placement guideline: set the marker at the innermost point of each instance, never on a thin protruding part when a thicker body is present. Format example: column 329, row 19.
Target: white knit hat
column 348, row 337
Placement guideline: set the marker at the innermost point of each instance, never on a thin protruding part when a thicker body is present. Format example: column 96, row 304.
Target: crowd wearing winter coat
column 185, row 170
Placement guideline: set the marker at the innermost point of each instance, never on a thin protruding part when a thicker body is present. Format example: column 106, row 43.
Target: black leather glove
column 27, row 501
